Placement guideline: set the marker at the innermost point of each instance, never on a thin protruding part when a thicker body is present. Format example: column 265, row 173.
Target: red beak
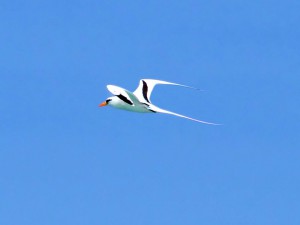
column 103, row 104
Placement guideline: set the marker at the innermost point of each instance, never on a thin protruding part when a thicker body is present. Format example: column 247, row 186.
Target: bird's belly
column 133, row 108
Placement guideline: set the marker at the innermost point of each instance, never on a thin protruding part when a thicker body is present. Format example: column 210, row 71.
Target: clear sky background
column 64, row 161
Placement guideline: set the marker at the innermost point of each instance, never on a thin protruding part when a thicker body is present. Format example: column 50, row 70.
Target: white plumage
column 139, row 100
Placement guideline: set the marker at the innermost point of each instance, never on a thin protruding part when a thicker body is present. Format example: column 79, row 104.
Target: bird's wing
column 159, row 110
column 145, row 88
column 122, row 93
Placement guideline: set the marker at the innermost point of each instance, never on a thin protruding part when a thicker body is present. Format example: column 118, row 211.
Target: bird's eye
column 108, row 100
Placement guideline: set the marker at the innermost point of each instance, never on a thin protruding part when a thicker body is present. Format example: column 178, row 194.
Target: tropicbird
column 139, row 100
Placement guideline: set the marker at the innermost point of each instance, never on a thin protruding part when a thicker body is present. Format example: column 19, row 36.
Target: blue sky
column 63, row 160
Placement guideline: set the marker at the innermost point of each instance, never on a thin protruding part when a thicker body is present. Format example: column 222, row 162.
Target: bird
column 139, row 100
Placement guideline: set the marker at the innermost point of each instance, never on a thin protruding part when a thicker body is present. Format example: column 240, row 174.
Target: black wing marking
column 145, row 91
column 148, row 107
column 123, row 98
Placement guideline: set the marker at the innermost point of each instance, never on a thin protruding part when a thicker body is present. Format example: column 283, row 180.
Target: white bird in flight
column 139, row 100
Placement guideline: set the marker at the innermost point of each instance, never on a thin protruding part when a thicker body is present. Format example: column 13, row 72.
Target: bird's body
column 139, row 100
column 120, row 104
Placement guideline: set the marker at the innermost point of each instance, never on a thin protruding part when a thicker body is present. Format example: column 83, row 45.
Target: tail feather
column 156, row 109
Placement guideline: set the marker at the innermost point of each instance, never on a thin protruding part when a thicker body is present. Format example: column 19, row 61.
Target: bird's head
column 108, row 101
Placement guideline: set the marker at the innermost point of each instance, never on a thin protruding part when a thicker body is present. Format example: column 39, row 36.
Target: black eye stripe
column 108, row 100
